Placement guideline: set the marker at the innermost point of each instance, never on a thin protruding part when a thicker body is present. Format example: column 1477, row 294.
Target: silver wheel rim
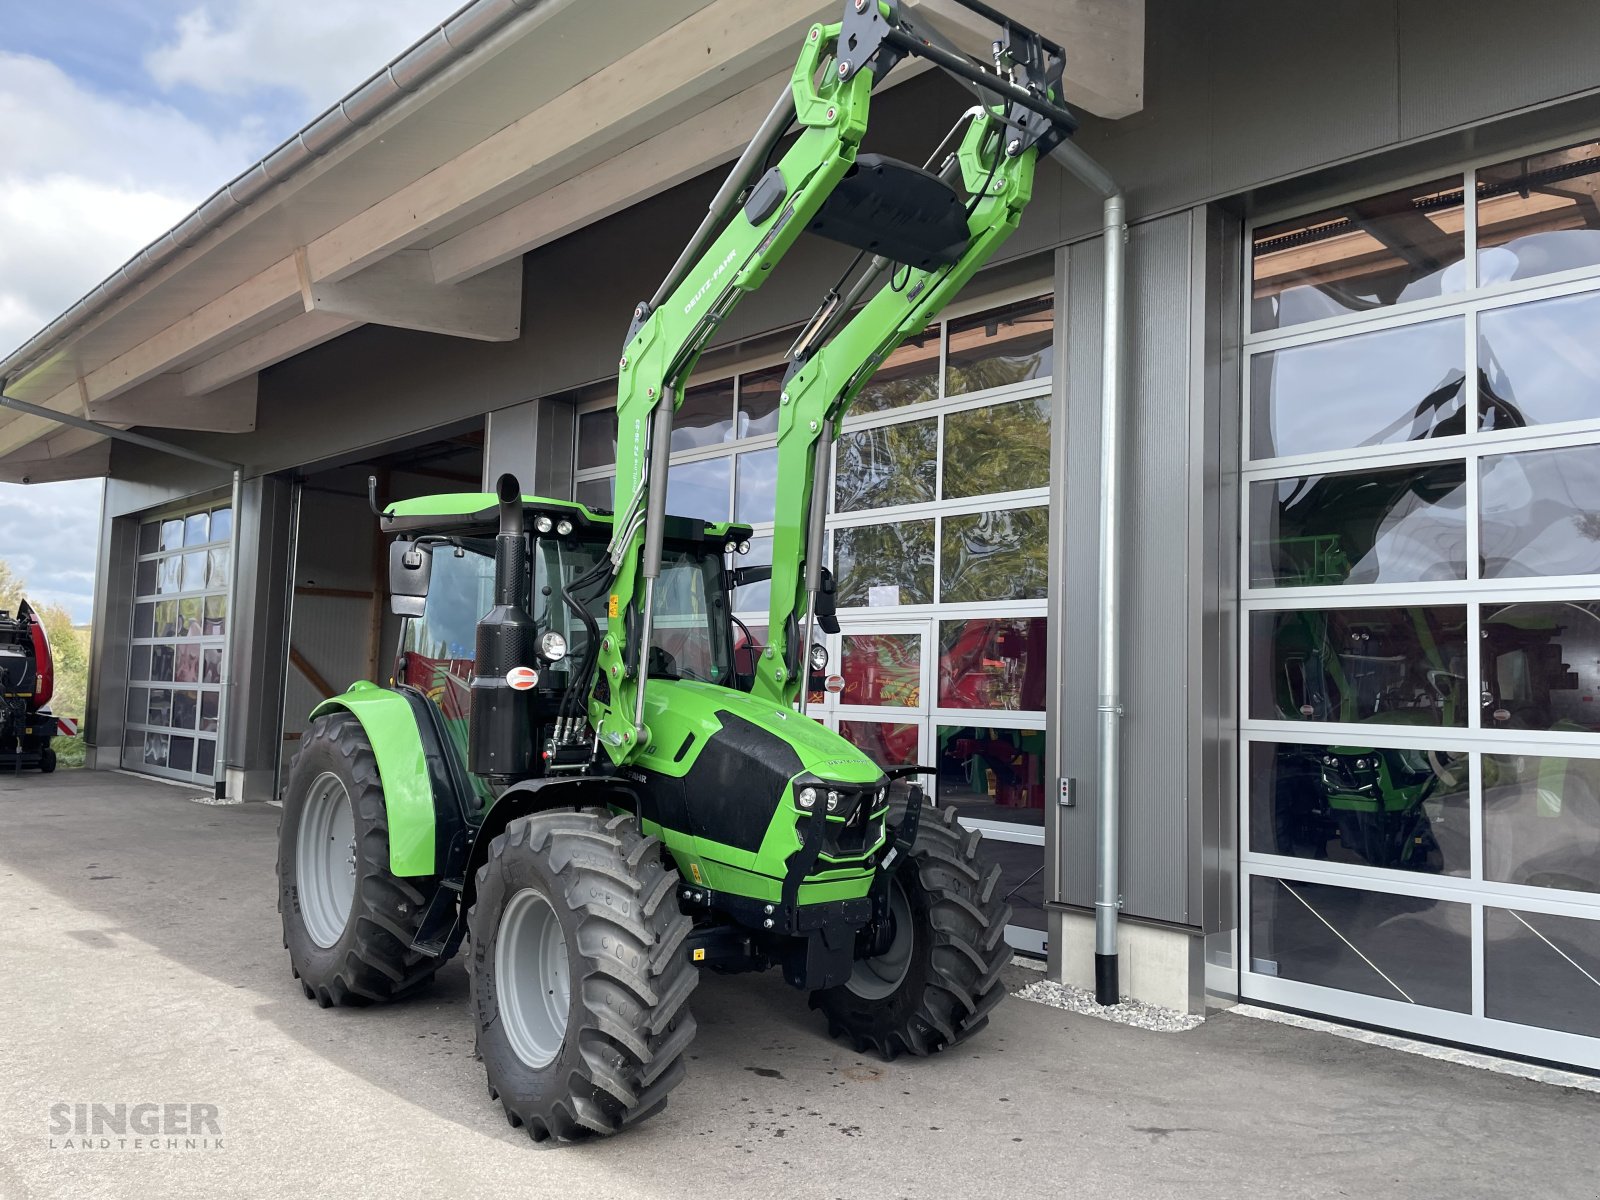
column 533, row 987
column 325, row 859
column 877, row 978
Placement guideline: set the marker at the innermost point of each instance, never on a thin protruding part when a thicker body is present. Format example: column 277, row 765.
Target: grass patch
column 70, row 751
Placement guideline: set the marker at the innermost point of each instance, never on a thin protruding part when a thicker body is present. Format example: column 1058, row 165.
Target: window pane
column 1375, row 252
column 194, row 572
column 441, row 645
column 758, row 402
column 884, row 565
column 172, row 534
column 700, row 489
column 160, row 706
column 1403, row 810
column 1005, row 345
column 197, row 529
column 992, row 774
column 217, row 567
column 595, row 493
column 993, row 663
column 1538, row 214
column 881, row 669
column 185, row 708
column 144, row 620
column 887, row 743
column 205, row 758
column 1000, row 555
column 144, row 578
column 211, row 671
column 753, row 597
column 1021, row 879
column 597, row 438
column 155, row 749
column 893, row 464
column 149, row 537
column 1396, row 385
column 756, row 491
column 1001, row 448
column 171, row 574
column 180, row 754
column 1393, row 526
column 1540, row 362
column 1540, row 969
column 1541, row 821
column 221, row 524
column 188, row 616
column 908, row 376
column 138, row 705
column 139, row 662
column 209, row 702
column 161, row 662
column 1541, row 513
column 1541, row 666
column 187, row 666
column 1402, row 948
column 705, row 418
column 216, row 616
column 1401, row 666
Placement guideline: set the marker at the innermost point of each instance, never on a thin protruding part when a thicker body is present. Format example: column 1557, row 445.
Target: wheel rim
column 533, row 987
column 877, row 978
column 325, row 859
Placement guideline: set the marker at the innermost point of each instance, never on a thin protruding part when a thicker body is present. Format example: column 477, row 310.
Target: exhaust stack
column 502, row 726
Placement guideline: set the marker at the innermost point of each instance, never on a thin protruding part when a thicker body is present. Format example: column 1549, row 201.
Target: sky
column 117, row 117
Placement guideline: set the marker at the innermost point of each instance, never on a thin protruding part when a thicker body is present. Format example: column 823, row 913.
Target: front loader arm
column 997, row 170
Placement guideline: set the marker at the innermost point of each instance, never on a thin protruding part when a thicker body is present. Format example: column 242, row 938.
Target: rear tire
column 940, row 977
column 47, row 761
column 348, row 924
column 580, row 983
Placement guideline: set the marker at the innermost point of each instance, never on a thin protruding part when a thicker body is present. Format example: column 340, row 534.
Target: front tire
column 348, row 924
column 939, row 978
column 580, row 982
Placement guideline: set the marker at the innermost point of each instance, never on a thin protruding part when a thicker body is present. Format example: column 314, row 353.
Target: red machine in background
column 27, row 681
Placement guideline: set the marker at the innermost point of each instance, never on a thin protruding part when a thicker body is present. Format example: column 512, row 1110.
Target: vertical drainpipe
column 1108, row 794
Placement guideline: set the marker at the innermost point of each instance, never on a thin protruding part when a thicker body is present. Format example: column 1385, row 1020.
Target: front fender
column 391, row 728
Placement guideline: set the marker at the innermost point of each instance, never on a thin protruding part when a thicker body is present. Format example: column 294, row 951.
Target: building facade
column 1361, row 609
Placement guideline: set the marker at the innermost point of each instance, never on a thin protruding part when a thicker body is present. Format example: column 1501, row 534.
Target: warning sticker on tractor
column 611, row 610
column 521, row 678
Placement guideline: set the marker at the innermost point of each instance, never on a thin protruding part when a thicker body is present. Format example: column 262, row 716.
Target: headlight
column 543, row 524
column 744, row 547
column 819, row 657
column 808, row 797
column 730, row 547
column 552, row 646
column 833, row 801
column 564, row 527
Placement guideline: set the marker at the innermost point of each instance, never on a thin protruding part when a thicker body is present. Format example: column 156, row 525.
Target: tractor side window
column 689, row 638
column 439, row 646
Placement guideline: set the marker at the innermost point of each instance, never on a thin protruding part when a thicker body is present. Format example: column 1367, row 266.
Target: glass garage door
column 180, row 616
column 1421, row 675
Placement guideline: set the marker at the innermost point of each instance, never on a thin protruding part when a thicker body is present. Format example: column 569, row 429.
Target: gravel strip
column 1129, row 1012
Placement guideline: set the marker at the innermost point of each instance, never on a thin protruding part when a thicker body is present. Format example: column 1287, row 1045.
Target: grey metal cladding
column 1158, row 842
column 1463, row 60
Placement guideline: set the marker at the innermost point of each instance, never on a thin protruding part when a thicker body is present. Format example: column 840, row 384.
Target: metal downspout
column 231, row 625
column 1108, row 795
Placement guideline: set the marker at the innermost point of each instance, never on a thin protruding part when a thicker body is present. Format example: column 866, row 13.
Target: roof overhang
column 418, row 213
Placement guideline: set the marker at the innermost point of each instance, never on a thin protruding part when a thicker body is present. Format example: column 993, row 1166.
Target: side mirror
column 827, row 616
column 410, row 568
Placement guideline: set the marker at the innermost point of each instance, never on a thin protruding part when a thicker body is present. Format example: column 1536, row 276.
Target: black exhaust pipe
column 502, row 681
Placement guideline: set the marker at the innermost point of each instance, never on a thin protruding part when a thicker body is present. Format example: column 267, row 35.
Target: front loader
column 571, row 770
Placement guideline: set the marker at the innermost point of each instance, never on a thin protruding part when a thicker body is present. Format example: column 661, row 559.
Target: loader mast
column 919, row 240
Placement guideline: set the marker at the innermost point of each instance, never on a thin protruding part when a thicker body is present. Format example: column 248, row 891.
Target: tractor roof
column 478, row 514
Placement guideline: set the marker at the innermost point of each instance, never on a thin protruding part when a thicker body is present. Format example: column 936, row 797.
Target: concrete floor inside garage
column 145, row 964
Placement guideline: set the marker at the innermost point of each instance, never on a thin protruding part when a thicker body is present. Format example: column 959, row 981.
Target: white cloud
column 49, row 536
column 318, row 49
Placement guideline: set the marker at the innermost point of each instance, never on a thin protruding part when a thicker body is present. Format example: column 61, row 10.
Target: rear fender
column 541, row 795
column 408, row 795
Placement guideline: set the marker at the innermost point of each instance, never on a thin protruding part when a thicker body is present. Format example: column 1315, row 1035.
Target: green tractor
column 573, row 768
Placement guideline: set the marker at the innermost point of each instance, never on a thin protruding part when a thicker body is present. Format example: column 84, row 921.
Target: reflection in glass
column 595, row 494
column 1001, row 346
column 1402, row 948
column 172, row 534
column 881, row 566
column 208, row 711
column 1541, row 821
column 1540, row 969
column 205, row 757
column 758, row 402
column 1398, row 666
column 155, row 749
column 185, row 707
column 1541, row 666
column 1541, row 513
column 992, row 774
column 1540, row 362
column 892, row 464
column 755, row 497
column 1539, row 214
column 1021, row 879
column 597, row 438
column 700, row 489
column 1395, row 385
column 908, row 376
column 189, row 617
column 144, row 579
column 160, row 706
column 138, row 705
column 149, row 537
column 139, row 662
column 1402, row 810
column 1393, row 526
column 180, row 753
column 144, row 620
column 881, row 669
column 998, row 555
column 171, row 574
column 211, row 670
column 187, row 666
column 1360, row 256
column 753, row 597
column 705, row 418
column 221, row 524
column 996, row 663
column 196, row 529
column 216, row 616
column 217, row 567
column 161, row 662
column 887, row 743
column 999, row 448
